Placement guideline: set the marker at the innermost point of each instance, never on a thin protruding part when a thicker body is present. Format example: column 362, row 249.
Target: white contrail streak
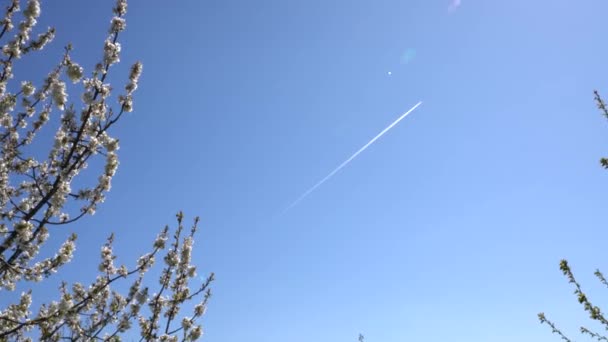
column 309, row 191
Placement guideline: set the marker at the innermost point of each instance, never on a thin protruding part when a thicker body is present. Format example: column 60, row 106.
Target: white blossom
column 111, row 52
column 12, row 49
column 160, row 241
column 32, row 11
column 118, row 24
column 186, row 323
column 126, row 102
column 43, row 39
column 199, row 309
column 134, row 75
column 74, row 72
column 121, row 8
column 27, row 88
column 123, row 271
column 66, row 251
column 59, row 94
column 196, row 333
column 24, row 230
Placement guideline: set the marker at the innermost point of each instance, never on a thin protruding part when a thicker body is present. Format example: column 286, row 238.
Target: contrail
column 309, row 191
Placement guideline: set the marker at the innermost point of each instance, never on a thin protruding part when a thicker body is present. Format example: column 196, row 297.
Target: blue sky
column 450, row 227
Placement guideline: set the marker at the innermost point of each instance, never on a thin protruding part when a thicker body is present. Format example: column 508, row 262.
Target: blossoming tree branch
column 37, row 196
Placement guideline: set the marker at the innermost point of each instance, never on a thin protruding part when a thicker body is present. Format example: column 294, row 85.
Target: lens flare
column 408, row 56
column 454, row 4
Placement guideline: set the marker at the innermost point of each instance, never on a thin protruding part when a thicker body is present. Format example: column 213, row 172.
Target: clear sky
column 449, row 228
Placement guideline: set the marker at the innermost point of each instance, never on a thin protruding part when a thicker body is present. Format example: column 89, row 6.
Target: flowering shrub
column 36, row 195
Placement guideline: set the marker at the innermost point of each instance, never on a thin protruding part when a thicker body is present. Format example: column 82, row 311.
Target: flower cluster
column 98, row 312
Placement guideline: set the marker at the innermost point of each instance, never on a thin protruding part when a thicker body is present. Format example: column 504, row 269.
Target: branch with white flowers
column 37, row 193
